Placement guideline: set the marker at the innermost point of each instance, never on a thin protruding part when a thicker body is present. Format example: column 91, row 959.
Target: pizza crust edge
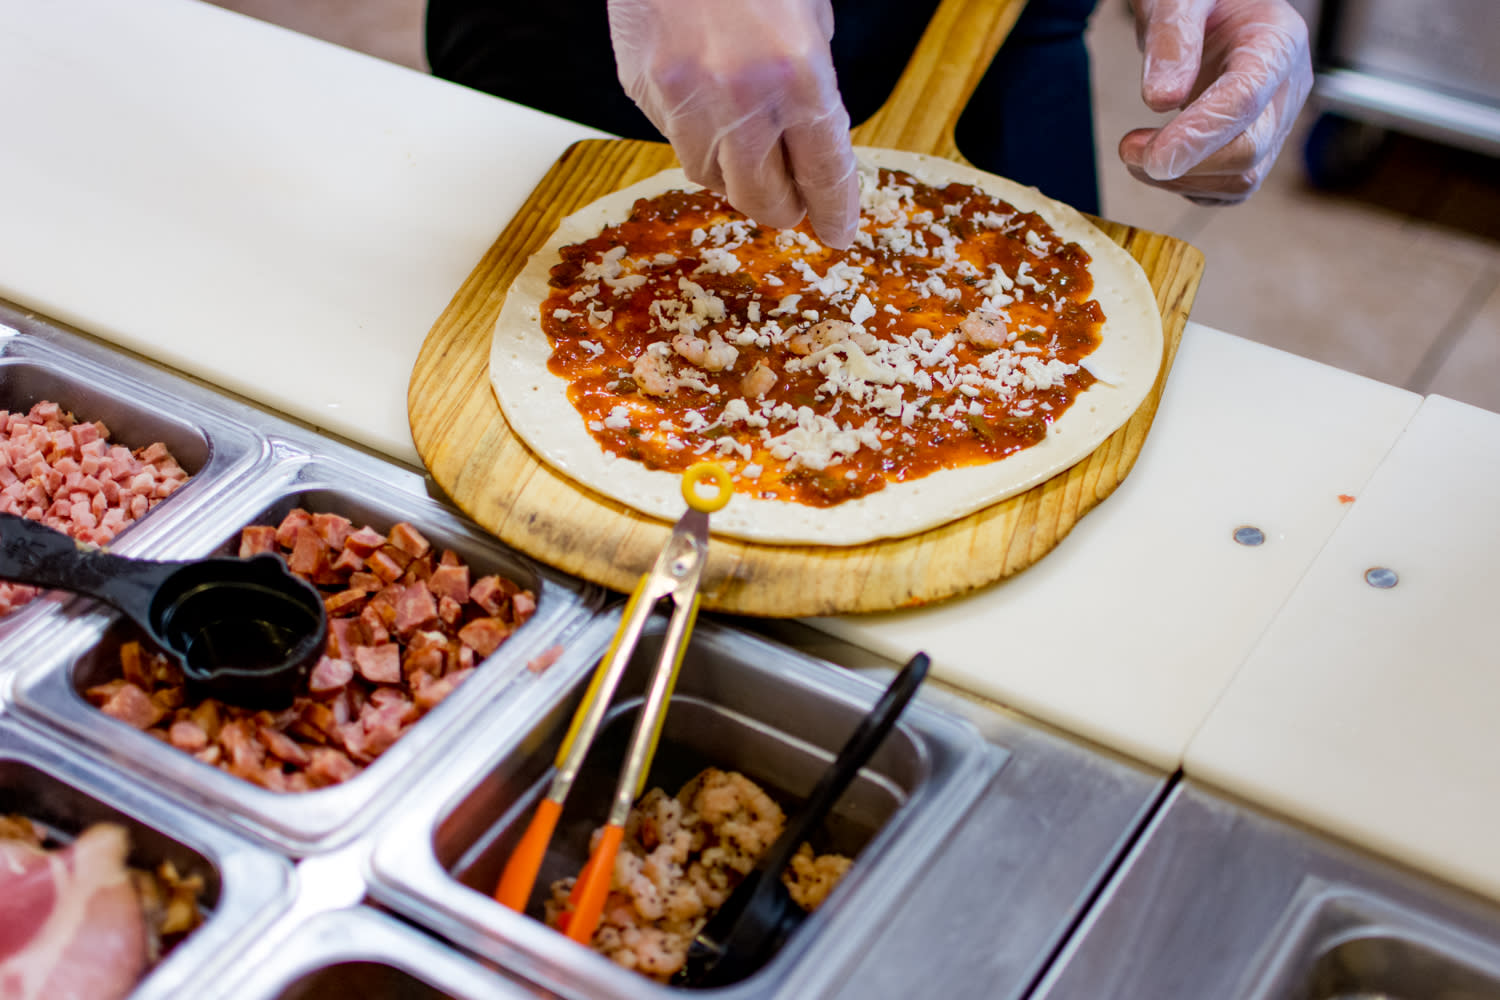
column 535, row 403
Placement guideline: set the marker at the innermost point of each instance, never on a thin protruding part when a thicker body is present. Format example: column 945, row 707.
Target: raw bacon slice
column 70, row 920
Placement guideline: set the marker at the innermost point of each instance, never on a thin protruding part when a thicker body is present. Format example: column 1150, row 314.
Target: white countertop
column 1371, row 712
column 286, row 219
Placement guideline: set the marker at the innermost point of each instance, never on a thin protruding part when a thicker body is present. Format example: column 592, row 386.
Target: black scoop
column 760, row 914
column 246, row 631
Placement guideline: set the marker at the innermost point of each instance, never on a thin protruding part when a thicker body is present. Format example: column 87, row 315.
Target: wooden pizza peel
column 471, row 452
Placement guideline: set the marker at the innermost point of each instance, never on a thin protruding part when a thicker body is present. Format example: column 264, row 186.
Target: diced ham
column 281, row 746
column 256, row 539
column 484, row 635
column 186, row 734
column 333, row 529
column 330, row 675
column 133, row 706
column 364, row 542
column 524, row 605
column 415, row 608
column 451, row 582
column 379, row 664
column 384, row 565
column 409, row 540
column 345, row 602
column 286, row 531
column 309, row 555
column 491, row 594
column 328, row 766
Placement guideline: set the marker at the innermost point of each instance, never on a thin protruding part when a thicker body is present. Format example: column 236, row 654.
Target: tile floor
column 1397, row 278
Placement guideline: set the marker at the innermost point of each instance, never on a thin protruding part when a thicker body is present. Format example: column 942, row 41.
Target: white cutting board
column 272, row 213
column 1129, row 630
column 1374, row 714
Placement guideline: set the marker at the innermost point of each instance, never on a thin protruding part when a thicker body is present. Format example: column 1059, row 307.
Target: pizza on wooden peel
column 977, row 339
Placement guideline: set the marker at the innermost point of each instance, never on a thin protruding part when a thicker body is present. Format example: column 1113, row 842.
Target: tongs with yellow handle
column 676, row 574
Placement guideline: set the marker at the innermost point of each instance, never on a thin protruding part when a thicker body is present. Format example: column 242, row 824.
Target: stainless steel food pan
column 71, row 660
column 742, row 703
column 139, row 405
column 362, row 952
column 247, row 887
column 1218, row 900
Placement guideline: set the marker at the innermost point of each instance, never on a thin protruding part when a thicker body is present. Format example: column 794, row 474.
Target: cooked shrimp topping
column 653, row 375
column 758, row 381
column 713, row 355
column 681, row 858
column 985, row 330
column 820, row 335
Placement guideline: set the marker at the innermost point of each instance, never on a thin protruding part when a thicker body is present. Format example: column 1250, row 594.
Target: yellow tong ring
column 675, row 574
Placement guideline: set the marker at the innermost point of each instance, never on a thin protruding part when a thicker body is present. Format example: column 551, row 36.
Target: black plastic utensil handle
column 858, row 749
column 31, row 552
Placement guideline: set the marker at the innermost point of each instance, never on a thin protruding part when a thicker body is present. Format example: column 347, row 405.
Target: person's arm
column 1240, row 71
column 746, row 94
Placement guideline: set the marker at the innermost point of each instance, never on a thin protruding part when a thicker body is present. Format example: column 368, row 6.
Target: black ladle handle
column 31, row 552
column 858, row 749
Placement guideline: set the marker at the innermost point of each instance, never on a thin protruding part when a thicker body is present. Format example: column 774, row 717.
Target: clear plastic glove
column 745, row 92
column 1240, row 71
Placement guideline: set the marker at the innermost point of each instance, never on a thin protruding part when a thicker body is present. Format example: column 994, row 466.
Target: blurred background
column 1387, row 266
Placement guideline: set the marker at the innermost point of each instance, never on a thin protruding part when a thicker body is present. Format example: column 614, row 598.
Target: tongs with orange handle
column 675, row 574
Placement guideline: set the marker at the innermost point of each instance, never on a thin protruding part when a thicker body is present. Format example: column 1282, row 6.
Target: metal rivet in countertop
column 1380, row 576
column 1249, row 535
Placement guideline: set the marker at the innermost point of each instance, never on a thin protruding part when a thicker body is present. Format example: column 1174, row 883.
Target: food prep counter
column 250, row 233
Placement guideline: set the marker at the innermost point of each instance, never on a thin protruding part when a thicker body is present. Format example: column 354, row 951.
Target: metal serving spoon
column 246, row 631
column 760, row 914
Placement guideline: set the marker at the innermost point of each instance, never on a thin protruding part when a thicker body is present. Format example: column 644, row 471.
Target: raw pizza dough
column 1125, row 363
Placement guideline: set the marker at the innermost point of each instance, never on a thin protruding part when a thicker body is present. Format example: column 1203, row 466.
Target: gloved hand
column 1240, row 71
column 745, row 92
